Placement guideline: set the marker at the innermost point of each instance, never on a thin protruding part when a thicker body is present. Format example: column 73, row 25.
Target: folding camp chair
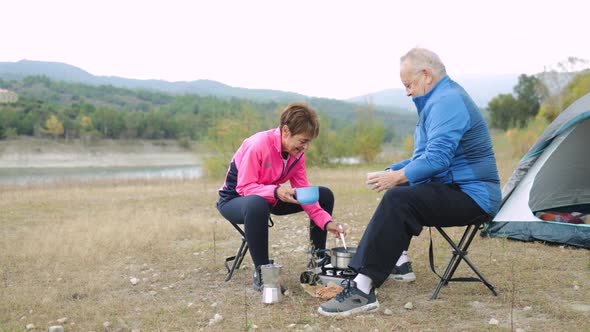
column 241, row 253
column 459, row 254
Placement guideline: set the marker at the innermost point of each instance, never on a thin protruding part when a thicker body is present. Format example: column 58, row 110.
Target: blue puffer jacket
column 452, row 144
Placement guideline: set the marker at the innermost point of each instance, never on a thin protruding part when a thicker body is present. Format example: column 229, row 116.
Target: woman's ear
column 285, row 131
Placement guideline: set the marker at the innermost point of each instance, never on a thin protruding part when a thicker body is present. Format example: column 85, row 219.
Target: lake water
column 25, row 175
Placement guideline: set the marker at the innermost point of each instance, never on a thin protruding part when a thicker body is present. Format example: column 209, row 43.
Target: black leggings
column 253, row 211
column 401, row 214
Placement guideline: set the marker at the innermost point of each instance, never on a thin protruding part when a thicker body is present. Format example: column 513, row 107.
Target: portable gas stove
column 336, row 275
column 322, row 271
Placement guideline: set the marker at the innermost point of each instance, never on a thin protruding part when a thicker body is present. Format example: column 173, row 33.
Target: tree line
column 541, row 96
column 62, row 110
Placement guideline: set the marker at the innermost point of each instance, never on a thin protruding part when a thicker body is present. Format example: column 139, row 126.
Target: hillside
column 481, row 87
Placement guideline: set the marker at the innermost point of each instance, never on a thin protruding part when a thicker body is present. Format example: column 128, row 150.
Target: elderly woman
column 253, row 187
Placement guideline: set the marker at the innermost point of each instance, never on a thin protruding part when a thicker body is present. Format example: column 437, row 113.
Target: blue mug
column 307, row 195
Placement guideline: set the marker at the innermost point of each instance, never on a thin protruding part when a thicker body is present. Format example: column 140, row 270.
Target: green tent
column 553, row 177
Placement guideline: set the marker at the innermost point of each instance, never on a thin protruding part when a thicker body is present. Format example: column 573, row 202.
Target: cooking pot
column 341, row 257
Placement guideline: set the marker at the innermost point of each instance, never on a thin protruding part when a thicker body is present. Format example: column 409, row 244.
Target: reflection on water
column 50, row 174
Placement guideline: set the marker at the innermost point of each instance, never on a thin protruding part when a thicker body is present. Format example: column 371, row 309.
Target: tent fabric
column 548, row 231
column 564, row 178
column 554, row 174
column 575, row 113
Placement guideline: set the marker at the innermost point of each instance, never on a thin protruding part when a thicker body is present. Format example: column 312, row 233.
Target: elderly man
column 451, row 180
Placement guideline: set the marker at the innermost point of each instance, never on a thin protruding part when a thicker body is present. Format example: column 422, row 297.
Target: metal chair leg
column 460, row 254
column 237, row 260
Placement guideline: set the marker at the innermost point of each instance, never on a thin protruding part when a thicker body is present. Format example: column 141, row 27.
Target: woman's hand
column 285, row 194
column 335, row 229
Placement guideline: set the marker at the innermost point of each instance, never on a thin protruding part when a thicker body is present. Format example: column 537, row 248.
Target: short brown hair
column 301, row 119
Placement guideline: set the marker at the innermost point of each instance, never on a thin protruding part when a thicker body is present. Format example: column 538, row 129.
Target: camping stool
column 459, row 254
column 241, row 253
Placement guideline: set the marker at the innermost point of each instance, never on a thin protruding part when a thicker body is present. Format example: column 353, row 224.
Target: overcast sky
column 335, row 49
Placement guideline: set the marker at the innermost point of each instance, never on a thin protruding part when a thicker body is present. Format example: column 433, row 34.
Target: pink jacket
column 257, row 169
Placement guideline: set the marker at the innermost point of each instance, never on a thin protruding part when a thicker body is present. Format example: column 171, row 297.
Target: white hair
column 421, row 58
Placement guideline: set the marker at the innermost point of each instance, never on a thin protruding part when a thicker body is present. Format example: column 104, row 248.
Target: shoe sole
column 408, row 277
column 366, row 308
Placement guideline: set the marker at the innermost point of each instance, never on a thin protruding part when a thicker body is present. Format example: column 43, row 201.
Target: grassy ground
column 70, row 250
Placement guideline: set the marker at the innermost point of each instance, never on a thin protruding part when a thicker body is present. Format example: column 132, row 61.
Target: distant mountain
column 482, row 89
column 64, row 72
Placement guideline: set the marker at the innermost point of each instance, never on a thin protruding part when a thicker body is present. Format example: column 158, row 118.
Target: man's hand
column 387, row 180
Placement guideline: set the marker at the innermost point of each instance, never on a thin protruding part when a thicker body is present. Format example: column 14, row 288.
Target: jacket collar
column 420, row 101
column 278, row 144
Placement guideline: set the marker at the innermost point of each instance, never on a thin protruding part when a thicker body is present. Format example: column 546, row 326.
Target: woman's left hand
column 285, row 194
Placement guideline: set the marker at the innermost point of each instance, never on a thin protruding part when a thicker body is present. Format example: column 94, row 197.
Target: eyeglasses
column 409, row 86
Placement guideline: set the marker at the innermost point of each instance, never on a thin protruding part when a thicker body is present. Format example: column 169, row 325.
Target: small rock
column 520, row 329
column 409, row 306
column 56, row 328
column 30, row 326
column 216, row 319
column 576, row 287
column 387, row 312
column 134, row 281
column 190, row 304
column 493, row 321
column 527, row 308
column 62, row 320
column 214, row 304
column 292, row 325
column 106, row 324
column 153, row 292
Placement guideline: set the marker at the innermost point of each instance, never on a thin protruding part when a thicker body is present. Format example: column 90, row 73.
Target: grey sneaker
column 350, row 301
column 403, row 273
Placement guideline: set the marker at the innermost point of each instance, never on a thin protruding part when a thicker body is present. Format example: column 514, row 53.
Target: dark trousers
column 401, row 214
column 253, row 211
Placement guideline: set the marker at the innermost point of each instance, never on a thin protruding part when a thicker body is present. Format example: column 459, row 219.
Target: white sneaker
column 403, row 273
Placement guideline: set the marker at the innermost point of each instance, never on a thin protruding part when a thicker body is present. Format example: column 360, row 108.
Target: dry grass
column 69, row 250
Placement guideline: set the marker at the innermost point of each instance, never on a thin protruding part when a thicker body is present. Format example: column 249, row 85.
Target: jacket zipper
column 283, row 173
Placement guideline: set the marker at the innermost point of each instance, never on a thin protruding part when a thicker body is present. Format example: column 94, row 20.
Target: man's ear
column 428, row 76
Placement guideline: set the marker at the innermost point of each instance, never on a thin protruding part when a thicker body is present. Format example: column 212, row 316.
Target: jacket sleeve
column 399, row 165
column 249, row 167
column 299, row 179
column 445, row 126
